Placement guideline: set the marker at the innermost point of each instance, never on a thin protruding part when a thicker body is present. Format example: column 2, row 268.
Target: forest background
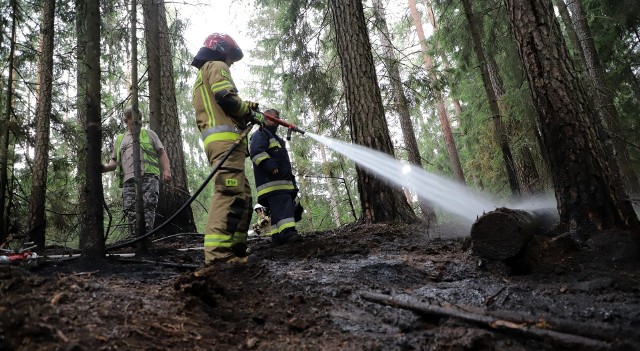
column 427, row 66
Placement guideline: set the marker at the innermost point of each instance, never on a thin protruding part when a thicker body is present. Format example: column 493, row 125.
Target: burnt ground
column 311, row 296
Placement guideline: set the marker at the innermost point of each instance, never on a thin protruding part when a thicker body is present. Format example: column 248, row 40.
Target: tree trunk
column 36, row 216
column 500, row 134
column 526, row 172
column 604, row 96
column 496, row 82
column 440, row 108
column 142, row 246
column 89, row 115
column 571, row 33
column 588, row 187
column 333, row 202
column 4, row 137
column 632, row 80
column 346, row 188
column 401, row 104
column 529, row 178
column 2, row 23
column 165, row 120
column 152, row 41
column 443, row 57
column 379, row 201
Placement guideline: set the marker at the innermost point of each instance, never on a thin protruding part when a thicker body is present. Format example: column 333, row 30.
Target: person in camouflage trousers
column 150, row 195
column 154, row 164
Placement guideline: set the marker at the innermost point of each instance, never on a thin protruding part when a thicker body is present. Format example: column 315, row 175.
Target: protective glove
column 253, row 106
column 257, row 118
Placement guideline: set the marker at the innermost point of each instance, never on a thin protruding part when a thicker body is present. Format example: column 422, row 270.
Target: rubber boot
column 291, row 236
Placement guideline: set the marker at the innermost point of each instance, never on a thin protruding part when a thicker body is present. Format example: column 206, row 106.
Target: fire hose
column 24, row 253
column 290, row 127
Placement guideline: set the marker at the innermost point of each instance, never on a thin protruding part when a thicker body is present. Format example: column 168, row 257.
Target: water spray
column 452, row 197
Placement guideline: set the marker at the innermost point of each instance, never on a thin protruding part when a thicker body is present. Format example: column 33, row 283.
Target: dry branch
column 162, row 263
column 521, row 329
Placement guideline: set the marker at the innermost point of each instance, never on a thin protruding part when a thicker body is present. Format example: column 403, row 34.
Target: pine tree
column 588, row 187
column 89, row 115
column 37, row 218
column 368, row 126
column 164, row 119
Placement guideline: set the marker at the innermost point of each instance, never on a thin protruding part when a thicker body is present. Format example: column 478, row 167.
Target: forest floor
column 318, row 295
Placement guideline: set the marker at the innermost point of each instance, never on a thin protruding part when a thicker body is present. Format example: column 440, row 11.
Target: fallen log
column 503, row 233
column 505, row 326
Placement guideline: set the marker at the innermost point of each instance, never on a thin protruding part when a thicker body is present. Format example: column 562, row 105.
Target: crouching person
column 263, row 224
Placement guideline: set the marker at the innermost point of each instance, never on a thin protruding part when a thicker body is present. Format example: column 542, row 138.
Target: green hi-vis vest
column 149, row 159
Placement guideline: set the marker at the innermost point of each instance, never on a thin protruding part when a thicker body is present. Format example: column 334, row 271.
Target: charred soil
column 316, row 295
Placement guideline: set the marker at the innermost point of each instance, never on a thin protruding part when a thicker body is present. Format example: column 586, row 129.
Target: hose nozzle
column 290, row 127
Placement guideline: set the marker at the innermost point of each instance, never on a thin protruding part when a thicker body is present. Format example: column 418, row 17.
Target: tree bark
column 37, row 217
column 89, row 115
column 4, row 141
column 604, row 96
column 164, row 118
column 379, row 201
column 449, row 141
column 333, row 202
column 632, row 80
column 527, row 175
column 503, row 233
column 142, row 246
column 346, row 189
column 571, row 33
column 401, row 104
column 499, row 130
column 530, row 182
column 588, row 187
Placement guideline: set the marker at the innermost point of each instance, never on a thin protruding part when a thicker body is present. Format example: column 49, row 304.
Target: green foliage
column 299, row 75
column 615, row 26
column 296, row 71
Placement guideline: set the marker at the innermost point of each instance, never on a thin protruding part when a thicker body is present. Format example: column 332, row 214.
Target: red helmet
column 223, row 45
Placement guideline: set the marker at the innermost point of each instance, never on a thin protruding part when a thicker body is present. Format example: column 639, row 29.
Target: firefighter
column 275, row 184
column 221, row 116
column 263, row 224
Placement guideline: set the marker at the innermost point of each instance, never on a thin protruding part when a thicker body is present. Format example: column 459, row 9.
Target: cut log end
column 502, row 233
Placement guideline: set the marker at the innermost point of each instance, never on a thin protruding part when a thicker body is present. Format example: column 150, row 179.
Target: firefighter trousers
column 231, row 204
column 283, row 223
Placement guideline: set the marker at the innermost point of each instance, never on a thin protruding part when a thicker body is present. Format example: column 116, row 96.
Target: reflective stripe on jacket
column 221, row 115
column 268, row 152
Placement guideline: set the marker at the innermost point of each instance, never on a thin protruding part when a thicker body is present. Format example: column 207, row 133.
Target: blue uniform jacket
column 268, row 151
